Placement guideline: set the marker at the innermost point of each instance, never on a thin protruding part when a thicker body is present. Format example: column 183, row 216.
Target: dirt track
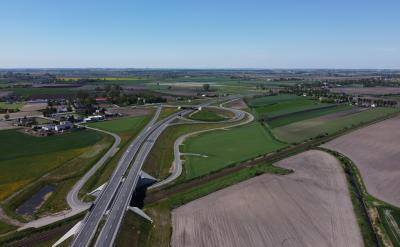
column 376, row 152
column 310, row 207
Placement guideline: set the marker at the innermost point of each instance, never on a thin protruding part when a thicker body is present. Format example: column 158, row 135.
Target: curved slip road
column 77, row 206
column 72, row 198
column 177, row 163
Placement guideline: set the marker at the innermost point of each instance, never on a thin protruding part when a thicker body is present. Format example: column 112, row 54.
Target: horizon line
column 188, row 68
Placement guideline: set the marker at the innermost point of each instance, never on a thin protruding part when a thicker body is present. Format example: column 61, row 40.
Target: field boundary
column 374, row 208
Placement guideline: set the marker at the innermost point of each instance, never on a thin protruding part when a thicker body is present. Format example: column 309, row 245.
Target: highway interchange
column 105, row 216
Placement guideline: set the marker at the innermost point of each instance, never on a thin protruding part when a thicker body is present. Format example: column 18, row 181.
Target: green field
column 287, row 107
column 25, row 158
column 5, row 228
column 122, row 81
column 13, row 106
column 120, row 125
column 311, row 128
column 267, row 100
column 272, row 107
column 29, row 91
column 166, row 111
column 303, row 115
column 210, row 115
column 20, row 145
column 159, row 161
column 227, row 147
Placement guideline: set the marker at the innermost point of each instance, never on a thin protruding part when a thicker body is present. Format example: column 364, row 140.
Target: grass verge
column 210, row 115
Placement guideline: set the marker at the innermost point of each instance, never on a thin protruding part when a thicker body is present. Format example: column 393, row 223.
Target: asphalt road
column 110, row 229
column 72, row 198
column 94, row 217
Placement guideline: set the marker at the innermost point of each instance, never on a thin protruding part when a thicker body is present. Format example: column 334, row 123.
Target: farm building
column 93, row 118
column 48, row 127
column 101, row 100
column 64, row 126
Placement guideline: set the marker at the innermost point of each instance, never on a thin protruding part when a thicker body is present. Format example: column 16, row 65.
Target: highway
column 72, row 198
column 117, row 194
column 94, row 217
column 114, row 219
column 110, row 229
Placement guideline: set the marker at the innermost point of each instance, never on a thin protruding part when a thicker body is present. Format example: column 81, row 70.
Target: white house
column 93, row 118
column 64, row 126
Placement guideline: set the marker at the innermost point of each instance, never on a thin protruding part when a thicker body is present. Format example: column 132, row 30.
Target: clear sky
column 200, row 34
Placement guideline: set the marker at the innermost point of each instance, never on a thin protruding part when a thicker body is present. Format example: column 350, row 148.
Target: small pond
column 29, row 206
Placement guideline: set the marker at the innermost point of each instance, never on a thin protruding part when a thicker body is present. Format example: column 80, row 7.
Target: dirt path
column 4, row 217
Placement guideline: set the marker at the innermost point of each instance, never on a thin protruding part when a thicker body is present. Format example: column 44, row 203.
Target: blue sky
column 200, row 34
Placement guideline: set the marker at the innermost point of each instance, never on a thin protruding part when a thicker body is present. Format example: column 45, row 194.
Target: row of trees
column 377, row 102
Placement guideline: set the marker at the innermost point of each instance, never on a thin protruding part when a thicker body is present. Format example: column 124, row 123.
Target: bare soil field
column 33, row 107
column 237, row 104
column 130, row 111
column 4, row 93
column 376, row 152
column 4, row 125
column 310, row 207
column 22, row 114
column 367, row 90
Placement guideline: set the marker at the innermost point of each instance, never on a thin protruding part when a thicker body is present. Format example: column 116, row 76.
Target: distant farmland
column 376, row 152
column 367, row 90
column 262, row 101
column 310, row 207
column 274, row 106
column 328, row 124
column 36, row 92
column 303, row 115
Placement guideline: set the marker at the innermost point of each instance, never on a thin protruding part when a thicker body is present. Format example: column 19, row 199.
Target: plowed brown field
column 310, row 207
column 376, row 152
